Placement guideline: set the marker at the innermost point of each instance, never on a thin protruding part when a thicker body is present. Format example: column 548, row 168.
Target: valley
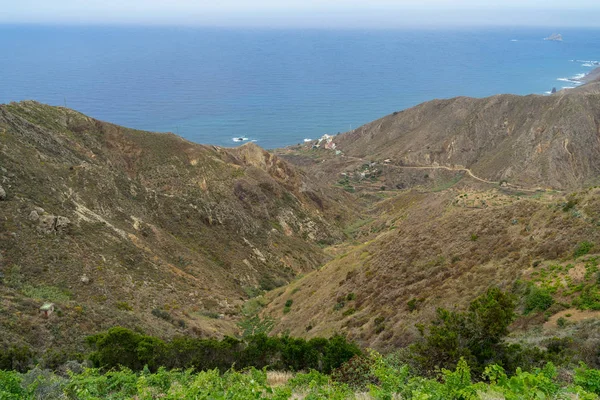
column 426, row 208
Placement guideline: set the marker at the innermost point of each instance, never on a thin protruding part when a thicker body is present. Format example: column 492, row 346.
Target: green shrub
column 569, row 205
column 124, row 306
column 18, row 358
column 537, row 299
column 413, row 304
column 288, row 306
column 162, row 314
column 589, row 379
column 120, row 347
column 589, row 298
column 582, row 249
column 380, row 376
column 356, row 373
column 475, row 335
column 10, row 385
column 349, row 311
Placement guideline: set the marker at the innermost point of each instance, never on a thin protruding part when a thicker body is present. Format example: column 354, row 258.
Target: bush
column 18, row 358
column 537, row 299
column 569, row 205
column 162, row 314
column 589, row 298
column 380, row 376
column 474, row 335
column 356, row 373
column 288, row 306
column 582, row 249
column 120, row 347
column 124, row 306
column 589, row 379
column 10, row 385
column 413, row 304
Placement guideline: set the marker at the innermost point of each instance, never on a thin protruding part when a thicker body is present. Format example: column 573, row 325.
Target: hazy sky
column 307, row 13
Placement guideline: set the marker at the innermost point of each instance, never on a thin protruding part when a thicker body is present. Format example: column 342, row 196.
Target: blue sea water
column 275, row 86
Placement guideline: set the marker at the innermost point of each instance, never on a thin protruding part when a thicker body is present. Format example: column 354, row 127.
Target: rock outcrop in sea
column 557, row 37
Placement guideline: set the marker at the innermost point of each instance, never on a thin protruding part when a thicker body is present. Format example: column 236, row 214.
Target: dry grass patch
column 278, row 378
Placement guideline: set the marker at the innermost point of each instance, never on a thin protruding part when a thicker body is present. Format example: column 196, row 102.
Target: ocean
column 276, row 87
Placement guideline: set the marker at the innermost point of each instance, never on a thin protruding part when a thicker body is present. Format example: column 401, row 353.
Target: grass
column 47, row 293
column 446, row 184
column 352, row 229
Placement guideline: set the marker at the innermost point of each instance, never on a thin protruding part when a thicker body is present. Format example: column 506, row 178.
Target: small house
column 46, row 309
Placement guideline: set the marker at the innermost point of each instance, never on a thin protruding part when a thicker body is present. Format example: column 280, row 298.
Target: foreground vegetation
column 462, row 355
column 387, row 380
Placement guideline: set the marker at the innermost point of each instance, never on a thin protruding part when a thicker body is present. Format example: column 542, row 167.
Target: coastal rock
column 556, row 37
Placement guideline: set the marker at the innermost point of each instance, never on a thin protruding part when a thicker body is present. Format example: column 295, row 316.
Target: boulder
column 46, row 224
column 51, row 224
column 2, row 193
column 62, row 223
column 34, row 216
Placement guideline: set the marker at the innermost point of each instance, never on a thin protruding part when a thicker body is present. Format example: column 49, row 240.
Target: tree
column 475, row 335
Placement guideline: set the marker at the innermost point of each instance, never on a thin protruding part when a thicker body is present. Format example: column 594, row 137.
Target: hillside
column 425, row 208
column 527, row 141
column 465, row 194
column 424, row 250
column 145, row 230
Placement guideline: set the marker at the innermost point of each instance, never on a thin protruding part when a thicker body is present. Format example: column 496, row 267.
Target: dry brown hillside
column 533, row 141
column 146, row 230
column 463, row 195
column 427, row 250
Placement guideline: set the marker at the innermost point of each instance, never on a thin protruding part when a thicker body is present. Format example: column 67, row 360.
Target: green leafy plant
column 537, row 299
column 582, row 249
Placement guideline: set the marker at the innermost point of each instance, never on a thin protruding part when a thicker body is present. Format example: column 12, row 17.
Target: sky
column 306, row 13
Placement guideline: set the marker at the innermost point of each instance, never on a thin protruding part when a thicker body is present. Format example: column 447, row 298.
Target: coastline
column 591, row 76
